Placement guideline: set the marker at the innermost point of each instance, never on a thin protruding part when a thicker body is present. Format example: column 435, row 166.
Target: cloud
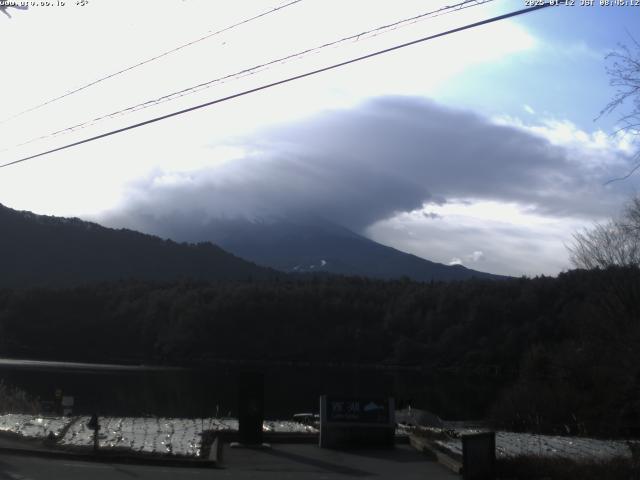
column 444, row 184
column 390, row 155
column 501, row 238
column 471, row 258
column 475, row 256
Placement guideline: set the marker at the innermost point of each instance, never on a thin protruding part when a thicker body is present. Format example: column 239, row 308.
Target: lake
column 204, row 392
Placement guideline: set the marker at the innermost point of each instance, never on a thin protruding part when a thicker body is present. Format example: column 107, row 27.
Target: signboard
column 67, row 401
column 363, row 410
column 356, row 422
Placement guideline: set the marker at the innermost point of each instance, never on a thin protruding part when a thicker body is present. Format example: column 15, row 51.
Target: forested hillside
column 38, row 250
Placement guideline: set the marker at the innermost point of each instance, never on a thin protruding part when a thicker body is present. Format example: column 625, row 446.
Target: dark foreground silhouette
column 544, row 354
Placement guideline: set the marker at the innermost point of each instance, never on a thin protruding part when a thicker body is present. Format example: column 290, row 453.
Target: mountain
column 37, row 250
column 311, row 245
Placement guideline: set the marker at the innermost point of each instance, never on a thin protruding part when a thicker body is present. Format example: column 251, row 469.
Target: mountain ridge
column 306, row 244
column 48, row 251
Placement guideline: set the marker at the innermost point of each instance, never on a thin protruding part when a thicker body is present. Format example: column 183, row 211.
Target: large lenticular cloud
column 358, row 166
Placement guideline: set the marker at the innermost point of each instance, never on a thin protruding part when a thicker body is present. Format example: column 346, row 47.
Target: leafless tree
column 616, row 242
column 624, row 74
column 623, row 68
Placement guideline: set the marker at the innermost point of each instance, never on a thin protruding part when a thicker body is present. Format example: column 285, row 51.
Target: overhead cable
column 283, row 81
column 256, row 69
column 149, row 60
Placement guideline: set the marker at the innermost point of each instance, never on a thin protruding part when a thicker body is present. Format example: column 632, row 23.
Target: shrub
column 16, row 400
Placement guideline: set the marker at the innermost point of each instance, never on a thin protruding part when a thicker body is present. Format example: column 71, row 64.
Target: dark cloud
column 361, row 165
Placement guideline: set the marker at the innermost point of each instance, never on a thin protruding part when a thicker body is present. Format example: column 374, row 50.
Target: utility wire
column 283, row 81
column 149, row 60
column 258, row 68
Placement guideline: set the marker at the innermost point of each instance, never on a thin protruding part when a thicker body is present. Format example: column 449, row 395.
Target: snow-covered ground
column 183, row 436
column 174, row 436
column 510, row 444
column 147, row 435
column 287, row 426
column 32, row 427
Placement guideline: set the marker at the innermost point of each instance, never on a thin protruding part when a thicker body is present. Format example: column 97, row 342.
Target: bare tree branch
column 624, row 74
column 628, row 174
column 614, row 243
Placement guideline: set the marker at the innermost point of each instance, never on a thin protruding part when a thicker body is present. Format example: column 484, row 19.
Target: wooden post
column 95, row 426
column 250, row 408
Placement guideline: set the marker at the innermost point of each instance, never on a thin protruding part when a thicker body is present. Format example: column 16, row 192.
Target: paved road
column 281, row 462
column 310, row 462
column 34, row 468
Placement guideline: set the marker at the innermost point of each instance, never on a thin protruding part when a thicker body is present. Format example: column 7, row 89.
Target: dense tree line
column 554, row 354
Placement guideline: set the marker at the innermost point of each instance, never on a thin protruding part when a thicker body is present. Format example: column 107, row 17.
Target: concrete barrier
column 479, row 456
column 430, row 448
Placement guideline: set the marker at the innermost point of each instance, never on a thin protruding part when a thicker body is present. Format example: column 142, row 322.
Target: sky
column 481, row 148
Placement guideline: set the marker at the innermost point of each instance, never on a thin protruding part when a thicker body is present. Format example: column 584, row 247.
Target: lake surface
column 204, row 392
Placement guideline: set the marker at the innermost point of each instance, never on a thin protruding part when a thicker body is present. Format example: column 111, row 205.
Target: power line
column 283, row 81
column 149, row 60
column 257, row 68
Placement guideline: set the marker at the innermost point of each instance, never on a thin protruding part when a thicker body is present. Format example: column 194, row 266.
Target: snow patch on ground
column 147, row 435
column 31, row 426
column 285, row 426
column 510, row 444
column 183, row 436
column 167, row 436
